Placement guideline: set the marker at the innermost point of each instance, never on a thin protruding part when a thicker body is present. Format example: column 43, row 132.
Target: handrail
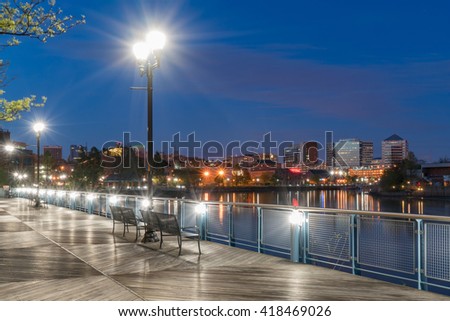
column 280, row 206
column 334, row 210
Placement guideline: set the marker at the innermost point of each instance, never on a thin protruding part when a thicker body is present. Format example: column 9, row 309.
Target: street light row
column 38, row 128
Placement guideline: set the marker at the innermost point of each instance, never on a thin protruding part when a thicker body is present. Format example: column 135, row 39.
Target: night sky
column 235, row 70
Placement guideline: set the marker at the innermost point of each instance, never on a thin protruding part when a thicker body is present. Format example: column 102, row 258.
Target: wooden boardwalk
column 61, row 254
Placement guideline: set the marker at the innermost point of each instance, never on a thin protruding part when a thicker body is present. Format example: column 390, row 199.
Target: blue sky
column 235, row 70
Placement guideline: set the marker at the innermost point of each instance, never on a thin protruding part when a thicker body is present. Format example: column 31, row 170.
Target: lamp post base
column 38, row 203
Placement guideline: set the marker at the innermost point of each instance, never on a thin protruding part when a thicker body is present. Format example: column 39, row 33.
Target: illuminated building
column 329, row 149
column 353, row 153
column 77, row 152
column 54, row 151
column 394, row 149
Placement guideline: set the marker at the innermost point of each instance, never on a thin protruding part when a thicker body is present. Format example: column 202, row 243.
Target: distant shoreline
column 177, row 192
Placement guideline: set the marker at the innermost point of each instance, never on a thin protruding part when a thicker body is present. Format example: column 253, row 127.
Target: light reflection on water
column 340, row 199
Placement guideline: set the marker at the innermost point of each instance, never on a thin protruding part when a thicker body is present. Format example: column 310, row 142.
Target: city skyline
column 235, row 72
column 189, row 147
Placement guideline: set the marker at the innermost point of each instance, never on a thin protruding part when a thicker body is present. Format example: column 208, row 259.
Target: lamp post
column 147, row 54
column 38, row 128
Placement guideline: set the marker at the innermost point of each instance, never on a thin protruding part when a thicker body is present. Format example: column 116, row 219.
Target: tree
column 240, row 175
column 37, row 19
column 401, row 174
column 189, row 176
column 159, row 166
column 88, row 171
column 392, row 179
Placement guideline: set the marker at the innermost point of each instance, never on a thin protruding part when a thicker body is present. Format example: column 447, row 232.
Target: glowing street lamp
column 38, row 128
column 147, row 54
column 9, row 148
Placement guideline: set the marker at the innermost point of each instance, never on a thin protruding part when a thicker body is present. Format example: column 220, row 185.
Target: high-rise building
column 329, row 149
column 353, row 153
column 54, row 151
column 292, row 156
column 346, row 153
column 77, row 152
column 310, row 154
column 394, row 149
column 366, row 152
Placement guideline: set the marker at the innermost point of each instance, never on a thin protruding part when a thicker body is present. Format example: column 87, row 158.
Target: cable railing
column 407, row 249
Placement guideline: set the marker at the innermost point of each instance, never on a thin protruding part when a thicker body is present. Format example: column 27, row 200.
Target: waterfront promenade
column 61, row 254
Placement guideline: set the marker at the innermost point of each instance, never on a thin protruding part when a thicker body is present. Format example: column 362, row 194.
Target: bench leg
column 124, row 228
column 114, row 225
column 198, row 240
column 179, row 244
column 160, row 239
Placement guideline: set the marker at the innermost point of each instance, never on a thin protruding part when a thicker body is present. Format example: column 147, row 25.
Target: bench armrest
column 190, row 227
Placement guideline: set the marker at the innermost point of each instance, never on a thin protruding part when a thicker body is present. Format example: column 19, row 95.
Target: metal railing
column 407, row 249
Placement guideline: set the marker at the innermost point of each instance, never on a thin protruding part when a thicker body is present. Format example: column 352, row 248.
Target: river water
column 340, row 199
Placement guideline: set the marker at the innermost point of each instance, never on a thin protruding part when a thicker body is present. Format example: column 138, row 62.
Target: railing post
column 166, row 206
column 107, row 206
column 230, row 225
column 419, row 253
column 183, row 212
column 202, row 221
column 304, row 233
column 354, row 242
column 295, row 242
column 297, row 220
column 136, row 207
column 259, row 228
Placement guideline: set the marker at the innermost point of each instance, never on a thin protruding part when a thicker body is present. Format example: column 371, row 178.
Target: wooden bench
column 42, row 203
column 127, row 217
column 151, row 226
column 168, row 226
